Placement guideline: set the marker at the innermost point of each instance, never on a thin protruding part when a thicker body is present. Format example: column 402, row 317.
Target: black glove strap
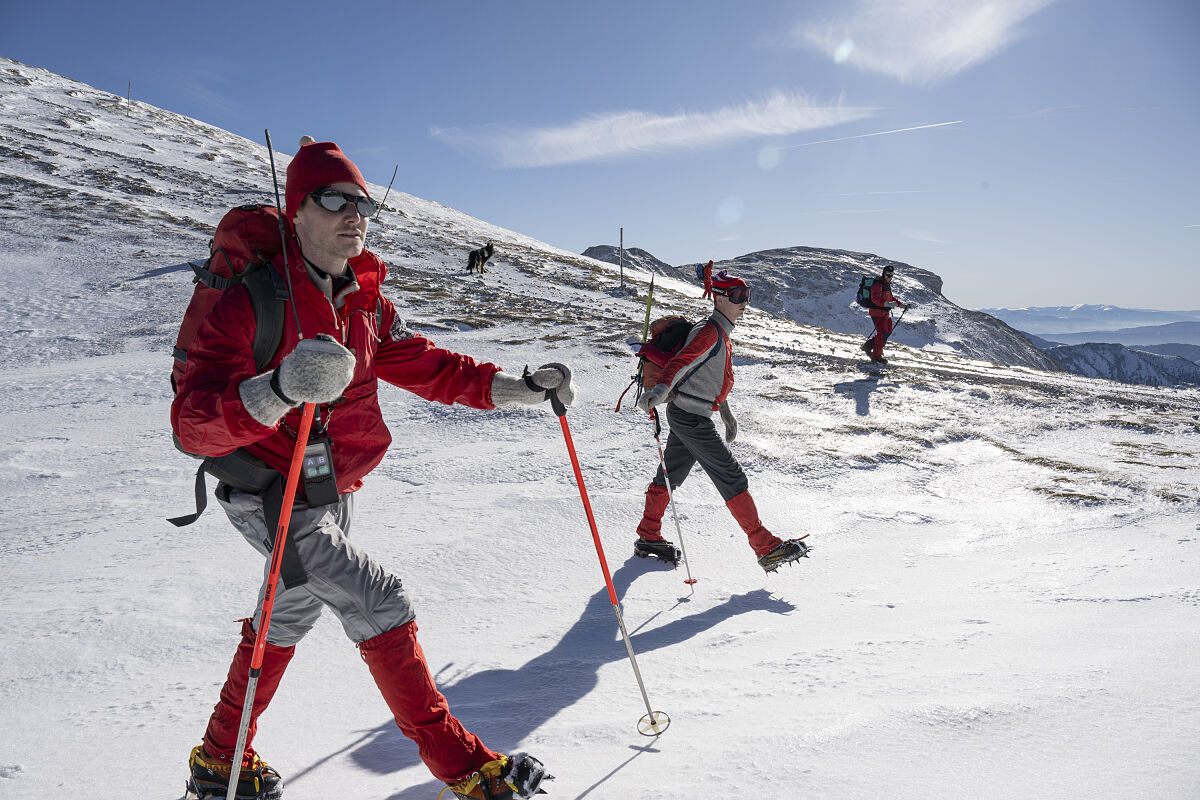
column 533, row 387
column 279, row 392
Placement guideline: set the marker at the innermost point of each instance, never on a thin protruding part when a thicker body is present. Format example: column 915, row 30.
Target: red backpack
column 247, row 239
column 667, row 335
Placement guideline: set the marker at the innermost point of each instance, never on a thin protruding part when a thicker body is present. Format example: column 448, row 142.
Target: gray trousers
column 693, row 439
column 367, row 599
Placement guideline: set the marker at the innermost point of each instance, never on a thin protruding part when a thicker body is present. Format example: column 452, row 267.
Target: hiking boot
column 515, row 778
column 210, row 777
column 784, row 552
column 866, row 346
column 661, row 549
column 880, row 360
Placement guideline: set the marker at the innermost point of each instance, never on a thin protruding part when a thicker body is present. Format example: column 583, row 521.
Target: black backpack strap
column 201, row 502
column 291, row 572
column 209, row 278
column 268, row 297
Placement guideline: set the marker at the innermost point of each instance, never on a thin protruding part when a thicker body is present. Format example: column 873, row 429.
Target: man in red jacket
column 882, row 303
column 695, row 383
column 352, row 338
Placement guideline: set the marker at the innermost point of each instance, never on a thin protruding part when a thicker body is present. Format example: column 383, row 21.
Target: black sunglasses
column 736, row 294
column 334, row 201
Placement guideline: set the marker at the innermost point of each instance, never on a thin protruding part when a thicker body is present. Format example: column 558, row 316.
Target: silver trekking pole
column 652, row 722
column 662, row 460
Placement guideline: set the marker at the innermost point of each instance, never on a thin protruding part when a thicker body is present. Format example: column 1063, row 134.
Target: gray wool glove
column 730, row 421
column 531, row 388
column 317, row 371
column 653, row 397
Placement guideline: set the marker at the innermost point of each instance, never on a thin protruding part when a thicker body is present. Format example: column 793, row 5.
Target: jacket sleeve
column 412, row 362
column 703, row 342
column 207, row 414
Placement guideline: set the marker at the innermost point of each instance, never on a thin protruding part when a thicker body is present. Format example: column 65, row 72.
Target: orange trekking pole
column 653, row 722
column 285, row 517
column 260, row 638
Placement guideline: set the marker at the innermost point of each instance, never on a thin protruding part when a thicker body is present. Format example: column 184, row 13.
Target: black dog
column 477, row 258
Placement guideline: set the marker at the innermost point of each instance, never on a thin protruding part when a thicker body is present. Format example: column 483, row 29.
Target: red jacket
column 881, row 292
column 701, row 374
column 208, row 415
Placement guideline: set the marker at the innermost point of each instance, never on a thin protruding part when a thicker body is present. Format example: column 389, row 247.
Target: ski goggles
column 334, row 201
column 738, row 295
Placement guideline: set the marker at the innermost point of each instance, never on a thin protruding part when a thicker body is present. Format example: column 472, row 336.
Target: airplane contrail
column 865, row 135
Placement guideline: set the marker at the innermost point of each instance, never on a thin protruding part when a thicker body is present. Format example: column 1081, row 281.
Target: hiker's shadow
column 504, row 706
column 860, row 390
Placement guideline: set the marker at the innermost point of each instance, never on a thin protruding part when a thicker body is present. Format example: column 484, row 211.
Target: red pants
column 883, row 329
column 398, row 666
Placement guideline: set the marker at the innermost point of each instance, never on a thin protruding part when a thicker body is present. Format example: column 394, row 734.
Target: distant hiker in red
column 353, row 337
column 704, row 273
column 695, row 383
column 882, row 303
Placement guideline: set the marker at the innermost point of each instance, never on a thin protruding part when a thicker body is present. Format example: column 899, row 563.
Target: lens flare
column 769, row 157
column 730, row 211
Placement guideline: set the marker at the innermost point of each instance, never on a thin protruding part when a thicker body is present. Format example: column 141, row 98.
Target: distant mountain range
column 1171, row 333
column 1103, row 341
column 1050, row 320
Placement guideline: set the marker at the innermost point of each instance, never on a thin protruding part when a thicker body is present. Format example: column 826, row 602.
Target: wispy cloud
column 199, row 90
column 919, row 41
column 627, row 133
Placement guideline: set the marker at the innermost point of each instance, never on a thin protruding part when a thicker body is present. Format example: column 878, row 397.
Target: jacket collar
column 723, row 322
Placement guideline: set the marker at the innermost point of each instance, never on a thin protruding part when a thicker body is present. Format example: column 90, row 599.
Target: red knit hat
column 316, row 165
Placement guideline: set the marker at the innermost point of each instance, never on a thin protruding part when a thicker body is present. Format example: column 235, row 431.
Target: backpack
column 864, row 292
column 246, row 241
column 667, row 335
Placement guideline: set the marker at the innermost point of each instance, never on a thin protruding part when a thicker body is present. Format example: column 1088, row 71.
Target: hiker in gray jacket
column 694, row 384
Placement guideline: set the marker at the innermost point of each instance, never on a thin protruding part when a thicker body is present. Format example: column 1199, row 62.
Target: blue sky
column 1031, row 152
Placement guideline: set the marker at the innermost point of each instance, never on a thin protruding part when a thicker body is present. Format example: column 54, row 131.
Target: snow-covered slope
column 1189, row 351
column 817, row 287
column 1119, row 363
column 1003, row 572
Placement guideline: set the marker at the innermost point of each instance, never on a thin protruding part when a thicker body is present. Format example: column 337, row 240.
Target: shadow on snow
column 504, row 706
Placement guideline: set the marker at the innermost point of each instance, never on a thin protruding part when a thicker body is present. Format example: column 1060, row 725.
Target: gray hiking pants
column 366, row 598
column 693, row 439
